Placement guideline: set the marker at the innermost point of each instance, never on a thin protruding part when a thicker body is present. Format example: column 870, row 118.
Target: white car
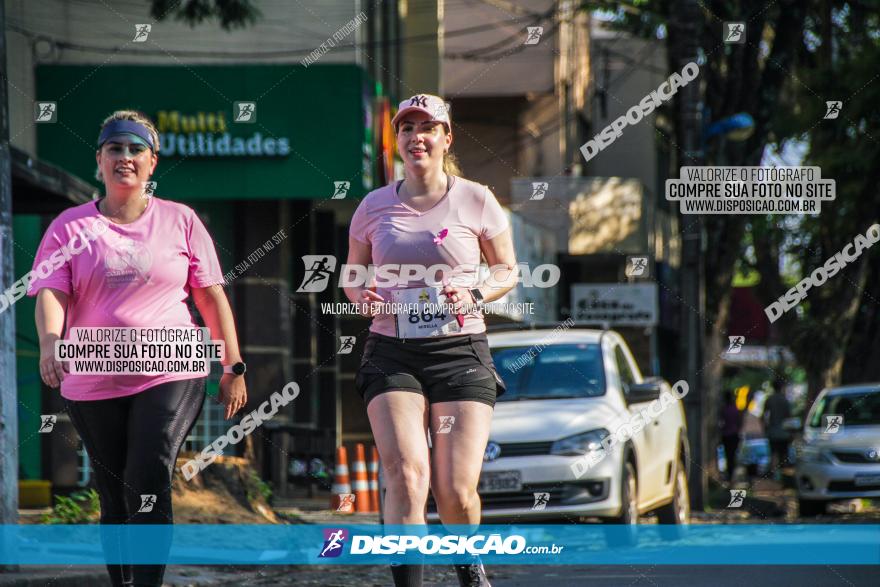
column 572, row 390
column 839, row 455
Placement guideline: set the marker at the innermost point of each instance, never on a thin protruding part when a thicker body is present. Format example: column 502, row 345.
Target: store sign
column 206, row 134
column 292, row 145
column 762, row 355
column 617, row 304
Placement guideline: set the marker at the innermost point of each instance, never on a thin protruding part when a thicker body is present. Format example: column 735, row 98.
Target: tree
column 835, row 330
column 751, row 77
column 231, row 13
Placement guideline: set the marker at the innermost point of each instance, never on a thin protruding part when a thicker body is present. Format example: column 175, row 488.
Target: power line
column 255, row 54
column 510, row 7
column 484, row 53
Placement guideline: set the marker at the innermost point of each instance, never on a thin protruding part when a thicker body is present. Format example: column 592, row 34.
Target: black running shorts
column 443, row 369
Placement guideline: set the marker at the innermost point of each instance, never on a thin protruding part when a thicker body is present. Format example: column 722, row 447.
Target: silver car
column 839, row 455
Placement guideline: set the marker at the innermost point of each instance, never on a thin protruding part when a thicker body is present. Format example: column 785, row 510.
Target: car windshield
column 857, row 409
column 556, row 371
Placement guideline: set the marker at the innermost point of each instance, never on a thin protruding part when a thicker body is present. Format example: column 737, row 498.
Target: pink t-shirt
column 399, row 234
column 129, row 275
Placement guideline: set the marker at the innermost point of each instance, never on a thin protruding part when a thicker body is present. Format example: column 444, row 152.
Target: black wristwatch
column 478, row 296
column 236, row 368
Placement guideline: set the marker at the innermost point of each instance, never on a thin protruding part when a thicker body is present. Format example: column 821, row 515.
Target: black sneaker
column 472, row 575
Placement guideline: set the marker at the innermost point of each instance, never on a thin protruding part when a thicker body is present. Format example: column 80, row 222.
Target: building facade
column 321, row 77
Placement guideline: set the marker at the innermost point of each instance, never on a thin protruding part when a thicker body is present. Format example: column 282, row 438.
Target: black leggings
column 132, row 443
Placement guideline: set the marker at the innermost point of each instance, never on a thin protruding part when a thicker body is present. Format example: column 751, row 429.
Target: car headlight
column 579, row 444
column 811, row 454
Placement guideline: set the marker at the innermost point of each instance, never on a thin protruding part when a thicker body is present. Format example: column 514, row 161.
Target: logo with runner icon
column 47, row 423
column 346, row 345
column 319, row 268
column 334, row 541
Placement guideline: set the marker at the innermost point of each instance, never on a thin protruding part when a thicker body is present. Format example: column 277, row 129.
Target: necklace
column 103, row 203
column 448, row 187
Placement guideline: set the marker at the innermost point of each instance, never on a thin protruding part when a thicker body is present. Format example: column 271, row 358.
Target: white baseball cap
column 434, row 106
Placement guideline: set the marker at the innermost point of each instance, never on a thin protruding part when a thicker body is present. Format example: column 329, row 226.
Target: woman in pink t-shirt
column 130, row 261
column 430, row 366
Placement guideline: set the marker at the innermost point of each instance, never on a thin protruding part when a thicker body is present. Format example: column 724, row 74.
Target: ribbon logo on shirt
column 126, row 261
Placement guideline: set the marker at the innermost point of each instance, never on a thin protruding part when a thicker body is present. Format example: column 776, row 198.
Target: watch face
column 477, row 294
column 239, row 368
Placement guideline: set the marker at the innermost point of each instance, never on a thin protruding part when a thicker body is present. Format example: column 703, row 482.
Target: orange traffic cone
column 373, row 472
column 360, row 486
column 341, row 486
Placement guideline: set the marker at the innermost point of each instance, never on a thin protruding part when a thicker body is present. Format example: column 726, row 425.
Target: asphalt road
column 532, row 575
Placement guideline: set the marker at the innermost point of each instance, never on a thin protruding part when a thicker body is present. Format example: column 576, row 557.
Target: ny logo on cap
column 419, row 101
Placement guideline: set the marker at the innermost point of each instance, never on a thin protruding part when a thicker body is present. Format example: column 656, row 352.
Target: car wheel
column 678, row 511
column 673, row 517
column 809, row 508
column 629, row 511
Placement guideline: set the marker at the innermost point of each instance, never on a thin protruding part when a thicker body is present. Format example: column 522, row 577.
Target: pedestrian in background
column 730, row 423
column 776, row 411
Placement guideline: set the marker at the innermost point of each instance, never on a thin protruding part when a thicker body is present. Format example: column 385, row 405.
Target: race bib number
column 422, row 315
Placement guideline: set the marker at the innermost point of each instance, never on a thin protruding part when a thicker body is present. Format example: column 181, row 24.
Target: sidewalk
column 57, row 576
column 294, row 511
column 316, row 510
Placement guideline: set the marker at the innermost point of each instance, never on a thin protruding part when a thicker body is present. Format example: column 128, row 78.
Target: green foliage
column 82, row 507
column 256, row 487
column 232, row 14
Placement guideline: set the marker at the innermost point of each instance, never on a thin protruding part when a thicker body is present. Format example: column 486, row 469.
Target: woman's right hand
column 370, row 303
column 51, row 370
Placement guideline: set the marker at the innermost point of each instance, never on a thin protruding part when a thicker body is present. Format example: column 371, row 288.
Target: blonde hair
column 134, row 116
column 450, row 164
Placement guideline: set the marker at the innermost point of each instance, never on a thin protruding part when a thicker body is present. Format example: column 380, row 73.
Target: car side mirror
column 643, row 392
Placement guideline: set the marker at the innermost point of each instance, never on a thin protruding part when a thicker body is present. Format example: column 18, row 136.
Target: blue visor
column 128, row 137
column 136, row 130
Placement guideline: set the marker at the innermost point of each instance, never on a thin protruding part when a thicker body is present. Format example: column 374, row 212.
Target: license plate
column 862, row 480
column 499, row 482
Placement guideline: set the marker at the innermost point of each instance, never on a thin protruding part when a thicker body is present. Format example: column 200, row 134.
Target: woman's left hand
column 458, row 297
column 233, row 393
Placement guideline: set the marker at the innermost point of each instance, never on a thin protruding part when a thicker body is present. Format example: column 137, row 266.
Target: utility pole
column 8, row 390
column 688, row 24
